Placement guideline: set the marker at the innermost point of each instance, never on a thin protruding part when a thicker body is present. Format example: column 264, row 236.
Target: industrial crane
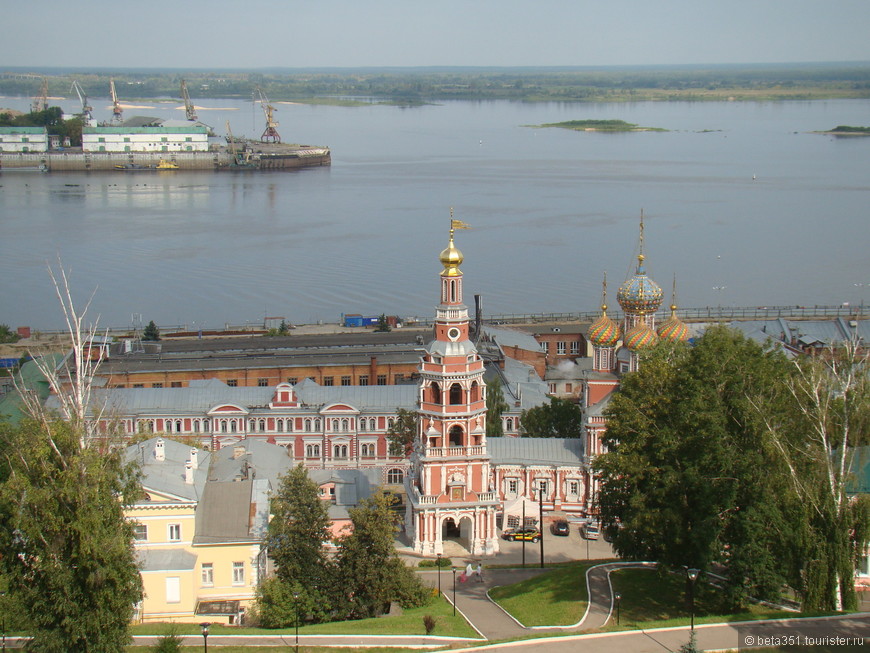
column 87, row 110
column 189, row 109
column 40, row 102
column 116, row 106
column 271, row 134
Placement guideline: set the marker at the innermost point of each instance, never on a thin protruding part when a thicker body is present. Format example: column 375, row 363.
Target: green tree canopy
column 558, row 419
column 295, row 538
column 495, row 407
column 403, row 433
column 370, row 572
column 67, row 550
column 151, row 332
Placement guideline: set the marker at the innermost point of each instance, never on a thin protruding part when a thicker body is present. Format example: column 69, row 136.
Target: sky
column 228, row 34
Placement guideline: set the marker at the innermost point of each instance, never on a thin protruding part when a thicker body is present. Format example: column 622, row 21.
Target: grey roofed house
column 229, row 512
column 381, row 398
column 521, row 385
column 250, row 458
column 536, row 451
column 511, row 338
column 167, row 476
column 351, row 485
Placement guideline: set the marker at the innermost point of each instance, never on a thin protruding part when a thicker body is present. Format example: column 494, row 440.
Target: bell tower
column 449, row 486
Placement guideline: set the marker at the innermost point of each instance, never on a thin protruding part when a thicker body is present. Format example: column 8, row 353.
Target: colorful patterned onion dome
column 674, row 329
column 639, row 336
column 639, row 295
column 604, row 332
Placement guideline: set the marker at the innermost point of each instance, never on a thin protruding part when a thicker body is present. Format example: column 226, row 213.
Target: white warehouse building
column 23, row 139
column 145, row 139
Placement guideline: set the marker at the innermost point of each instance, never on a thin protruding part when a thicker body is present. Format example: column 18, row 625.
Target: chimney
column 188, row 472
column 238, row 452
column 373, row 370
column 478, row 315
column 159, row 451
column 193, row 460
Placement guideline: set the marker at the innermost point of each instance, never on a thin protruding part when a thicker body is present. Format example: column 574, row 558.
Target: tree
column 383, row 325
column 7, row 334
column 402, row 435
column 298, row 528
column 495, row 406
column 68, row 552
column 689, row 478
column 827, row 405
column 370, row 573
column 151, row 332
column 558, row 419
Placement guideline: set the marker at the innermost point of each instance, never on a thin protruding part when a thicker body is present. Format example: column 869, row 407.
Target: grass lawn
column 410, row 622
column 652, row 601
column 557, row 598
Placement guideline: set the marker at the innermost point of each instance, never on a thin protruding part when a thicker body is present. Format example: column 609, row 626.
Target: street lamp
column 617, row 597
column 204, row 626
column 439, row 574
column 692, row 575
column 296, row 617
column 541, row 519
column 454, row 591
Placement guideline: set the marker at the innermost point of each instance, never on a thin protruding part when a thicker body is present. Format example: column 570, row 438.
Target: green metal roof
column 144, row 130
column 22, row 130
column 30, row 377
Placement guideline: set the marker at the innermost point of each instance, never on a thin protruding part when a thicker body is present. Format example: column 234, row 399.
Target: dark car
column 523, row 534
column 560, row 527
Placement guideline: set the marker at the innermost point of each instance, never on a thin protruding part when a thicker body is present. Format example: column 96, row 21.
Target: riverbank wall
column 272, row 158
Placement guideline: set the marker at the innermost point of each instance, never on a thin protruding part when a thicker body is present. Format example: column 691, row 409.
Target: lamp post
column 296, row 617
column 541, row 519
column 617, row 597
column 204, row 626
column 439, row 574
column 692, row 575
column 454, row 591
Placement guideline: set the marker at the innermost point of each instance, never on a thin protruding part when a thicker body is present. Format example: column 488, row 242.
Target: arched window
column 308, row 425
column 312, row 450
column 395, row 476
column 475, row 391
column 317, row 424
column 178, row 426
column 223, row 426
column 345, row 424
column 362, row 424
column 368, row 450
column 262, row 425
column 196, row 426
column 455, row 394
column 234, row 427
column 509, row 424
column 436, row 393
column 279, row 424
column 373, row 424
column 390, row 422
column 339, row 451
column 456, row 436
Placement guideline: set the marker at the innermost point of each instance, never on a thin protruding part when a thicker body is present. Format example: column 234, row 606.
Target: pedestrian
column 469, row 570
column 479, row 573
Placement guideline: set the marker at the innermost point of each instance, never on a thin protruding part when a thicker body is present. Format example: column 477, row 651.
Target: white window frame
column 140, row 528
column 173, row 529
column 238, row 573
column 207, row 576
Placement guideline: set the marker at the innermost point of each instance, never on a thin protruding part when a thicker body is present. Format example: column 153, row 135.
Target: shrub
column 429, row 623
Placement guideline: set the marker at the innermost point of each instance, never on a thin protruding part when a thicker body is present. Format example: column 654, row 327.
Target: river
column 742, row 203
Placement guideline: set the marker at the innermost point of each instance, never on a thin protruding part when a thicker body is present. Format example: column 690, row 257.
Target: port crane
column 40, row 102
column 87, row 114
column 117, row 111
column 189, row 109
column 271, row 134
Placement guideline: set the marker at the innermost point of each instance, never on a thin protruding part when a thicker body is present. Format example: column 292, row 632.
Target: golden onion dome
column 639, row 337
column 451, row 258
column 604, row 332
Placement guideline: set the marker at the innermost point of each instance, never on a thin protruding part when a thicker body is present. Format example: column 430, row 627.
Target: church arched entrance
column 459, row 532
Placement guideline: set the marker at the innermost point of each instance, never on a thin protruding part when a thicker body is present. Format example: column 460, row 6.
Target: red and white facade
column 449, row 485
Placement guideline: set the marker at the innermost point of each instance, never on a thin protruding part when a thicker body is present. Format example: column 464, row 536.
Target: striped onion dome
column 639, row 337
column 674, row 329
column 604, row 332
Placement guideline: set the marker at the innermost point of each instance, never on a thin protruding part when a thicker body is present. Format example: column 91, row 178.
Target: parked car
column 560, row 527
column 520, row 534
column 590, row 531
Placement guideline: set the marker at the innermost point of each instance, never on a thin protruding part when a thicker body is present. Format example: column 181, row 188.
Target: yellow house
column 198, row 540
